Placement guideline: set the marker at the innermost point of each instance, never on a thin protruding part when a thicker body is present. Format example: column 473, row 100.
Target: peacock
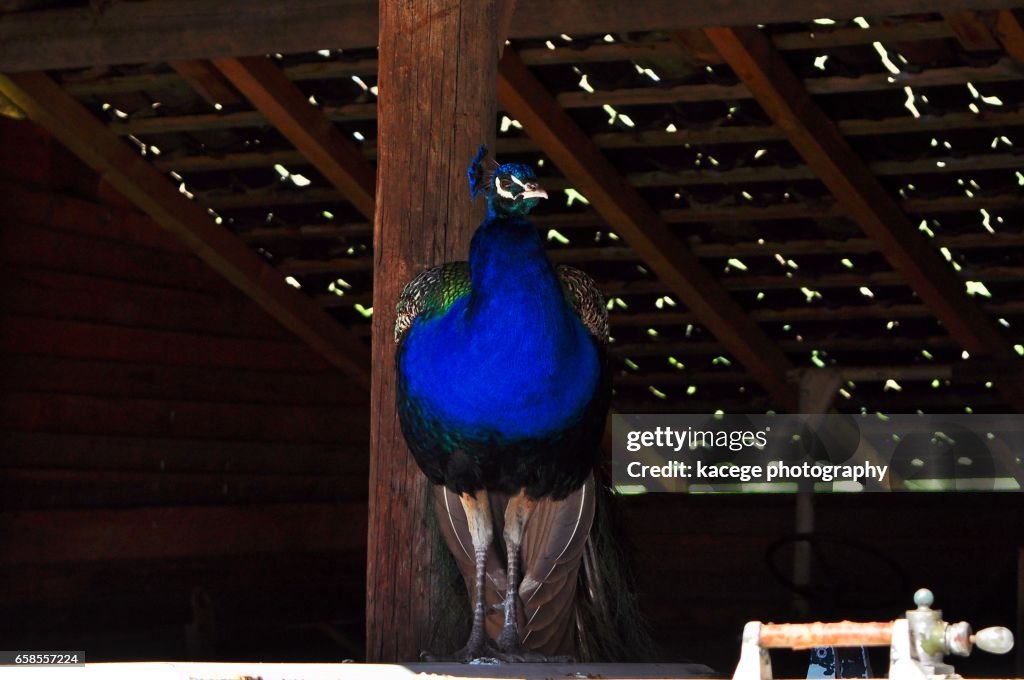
column 502, row 395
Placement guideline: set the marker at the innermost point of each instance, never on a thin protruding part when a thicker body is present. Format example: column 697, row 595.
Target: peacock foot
column 478, row 648
column 514, row 651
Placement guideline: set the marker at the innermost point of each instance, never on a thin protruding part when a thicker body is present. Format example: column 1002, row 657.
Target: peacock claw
column 513, row 650
column 481, row 650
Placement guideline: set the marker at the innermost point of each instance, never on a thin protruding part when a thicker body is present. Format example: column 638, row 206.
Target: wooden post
column 438, row 65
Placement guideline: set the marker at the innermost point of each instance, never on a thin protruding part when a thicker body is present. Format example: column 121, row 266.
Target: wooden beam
column 538, row 56
column 994, row 30
column 561, row 139
column 305, row 126
column 438, row 62
column 973, row 30
column 133, row 176
column 207, row 81
column 695, row 46
column 162, row 30
column 1010, row 33
column 783, row 97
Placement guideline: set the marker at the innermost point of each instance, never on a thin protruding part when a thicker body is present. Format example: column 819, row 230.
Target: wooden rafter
column 305, row 126
column 994, row 30
column 1010, row 33
column 786, row 101
column 128, row 172
column 195, row 29
column 207, row 81
column 560, row 138
column 972, row 30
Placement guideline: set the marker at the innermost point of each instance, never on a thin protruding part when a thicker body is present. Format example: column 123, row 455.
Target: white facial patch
column 502, row 192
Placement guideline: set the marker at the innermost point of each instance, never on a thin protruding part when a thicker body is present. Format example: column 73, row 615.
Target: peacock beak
column 532, row 190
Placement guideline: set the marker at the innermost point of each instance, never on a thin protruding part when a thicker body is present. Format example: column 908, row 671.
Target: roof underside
column 939, row 121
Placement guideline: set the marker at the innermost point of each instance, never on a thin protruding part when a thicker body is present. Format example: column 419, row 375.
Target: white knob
column 995, row 640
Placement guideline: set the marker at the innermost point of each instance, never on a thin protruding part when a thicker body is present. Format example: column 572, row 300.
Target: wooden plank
column 222, row 200
column 61, row 375
column 850, row 246
column 180, row 455
column 61, row 536
column 46, row 208
column 626, row 212
column 132, row 175
column 447, row 55
column 45, row 489
column 41, row 293
column 916, row 373
column 29, row 247
column 207, row 81
column 225, row 121
column 827, row 343
column 784, row 98
column 132, row 595
column 810, row 314
column 175, row 418
column 76, row 339
column 1001, row 71
column 29, row 155
column 305, row 126
column 191, row 29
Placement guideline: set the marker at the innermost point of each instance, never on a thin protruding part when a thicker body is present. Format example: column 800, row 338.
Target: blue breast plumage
column 501, row 366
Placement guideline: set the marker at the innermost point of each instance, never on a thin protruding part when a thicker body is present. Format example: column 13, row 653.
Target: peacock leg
column 481, row 530
column 517, row 514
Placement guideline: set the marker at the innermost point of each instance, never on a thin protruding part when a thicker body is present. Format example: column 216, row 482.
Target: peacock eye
column 505, row 184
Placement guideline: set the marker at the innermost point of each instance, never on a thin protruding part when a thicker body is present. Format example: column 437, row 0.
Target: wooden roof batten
column 69, row 122
column 815, row 137
column 558, row 136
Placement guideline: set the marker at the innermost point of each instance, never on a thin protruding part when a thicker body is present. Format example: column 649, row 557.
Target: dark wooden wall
column 162, row 442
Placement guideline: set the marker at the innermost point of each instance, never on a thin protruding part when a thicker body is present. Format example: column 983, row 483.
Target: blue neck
column 510, row 274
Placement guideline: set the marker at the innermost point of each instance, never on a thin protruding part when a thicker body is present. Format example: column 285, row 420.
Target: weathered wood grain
column 437, row 104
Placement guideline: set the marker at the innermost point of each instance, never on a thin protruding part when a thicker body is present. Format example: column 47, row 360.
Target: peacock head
column 514, row 190
column 511, row 189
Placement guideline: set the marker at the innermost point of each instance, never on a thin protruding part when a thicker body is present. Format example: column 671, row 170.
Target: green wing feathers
column 435, row 290
column 431, row 293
